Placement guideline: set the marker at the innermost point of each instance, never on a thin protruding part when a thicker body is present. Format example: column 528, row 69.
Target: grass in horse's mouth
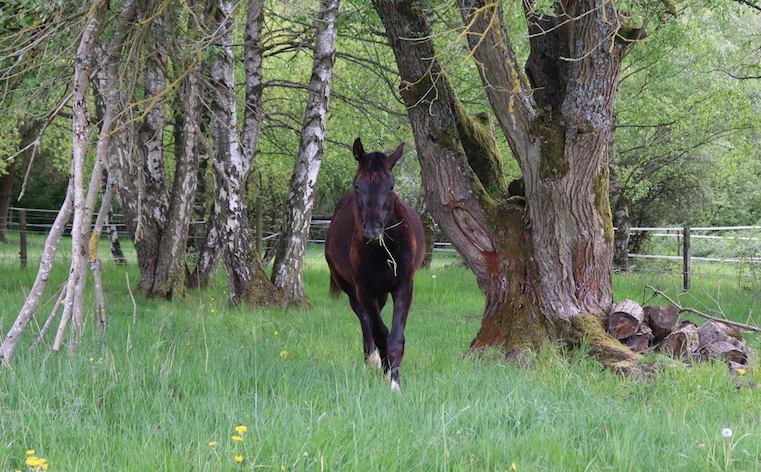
column 390, row 261
column 382, row 241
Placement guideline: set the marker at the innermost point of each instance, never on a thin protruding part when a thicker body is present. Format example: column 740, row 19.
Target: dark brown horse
column 374, row 245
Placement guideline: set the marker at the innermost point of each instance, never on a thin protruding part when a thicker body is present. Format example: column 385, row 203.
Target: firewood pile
column 659, row 328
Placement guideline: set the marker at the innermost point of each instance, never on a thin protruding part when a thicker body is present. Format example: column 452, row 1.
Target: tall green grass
column 168, row 387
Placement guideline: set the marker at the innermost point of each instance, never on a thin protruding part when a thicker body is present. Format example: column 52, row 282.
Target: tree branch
column 749, row 3
column 700, row 313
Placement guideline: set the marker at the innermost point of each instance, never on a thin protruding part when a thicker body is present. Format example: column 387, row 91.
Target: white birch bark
column 246, row 278
column 252, row 60
column 169, row 280
column 43, row 274
column 288, row 268
column 80, row 227
column 84, row 203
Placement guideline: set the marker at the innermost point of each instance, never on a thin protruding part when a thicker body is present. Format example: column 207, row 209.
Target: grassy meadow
column 170, row 385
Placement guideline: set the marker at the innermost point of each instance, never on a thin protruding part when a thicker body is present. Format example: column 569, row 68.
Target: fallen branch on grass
column 704, row 315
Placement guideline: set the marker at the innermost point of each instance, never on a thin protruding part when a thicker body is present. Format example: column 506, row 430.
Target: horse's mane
column 373, row 167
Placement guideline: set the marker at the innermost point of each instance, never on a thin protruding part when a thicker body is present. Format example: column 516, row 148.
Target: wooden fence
column 37, row 221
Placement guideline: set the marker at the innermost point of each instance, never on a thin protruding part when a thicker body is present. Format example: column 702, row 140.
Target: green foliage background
column 687, row 136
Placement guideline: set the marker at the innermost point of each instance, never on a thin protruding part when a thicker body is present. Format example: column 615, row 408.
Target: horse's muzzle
column 372, row 230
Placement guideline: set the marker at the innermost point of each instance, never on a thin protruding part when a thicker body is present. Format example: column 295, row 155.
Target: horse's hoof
column 374, row 360
column 395, row 386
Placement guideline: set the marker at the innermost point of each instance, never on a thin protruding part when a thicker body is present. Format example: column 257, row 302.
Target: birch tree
column 81, row 203
column 287, row 270
column 246, row 279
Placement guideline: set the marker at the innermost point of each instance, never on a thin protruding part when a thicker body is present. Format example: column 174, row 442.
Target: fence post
column 22, row 237
column 687, row 254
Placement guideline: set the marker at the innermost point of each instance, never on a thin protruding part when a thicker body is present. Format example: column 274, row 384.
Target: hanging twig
column 704, row 315
column 50, row 319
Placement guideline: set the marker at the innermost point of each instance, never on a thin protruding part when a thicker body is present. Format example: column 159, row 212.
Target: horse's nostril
column 372, row 229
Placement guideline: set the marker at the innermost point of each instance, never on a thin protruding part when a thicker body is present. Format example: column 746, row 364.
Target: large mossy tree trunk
column 544, row 262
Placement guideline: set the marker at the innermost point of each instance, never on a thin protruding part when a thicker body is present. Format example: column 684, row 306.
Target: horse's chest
column 376, row 266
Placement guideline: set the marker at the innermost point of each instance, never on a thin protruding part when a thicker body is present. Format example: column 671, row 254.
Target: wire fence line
column 720, row 244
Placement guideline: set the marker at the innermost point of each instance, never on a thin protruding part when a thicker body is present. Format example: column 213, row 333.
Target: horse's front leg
column 402, row 302
column 366, row 309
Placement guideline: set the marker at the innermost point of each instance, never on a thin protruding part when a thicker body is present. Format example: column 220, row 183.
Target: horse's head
column 374, row 189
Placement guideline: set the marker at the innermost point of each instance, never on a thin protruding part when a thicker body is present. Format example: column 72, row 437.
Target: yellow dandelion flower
column 513, row 466
column 283, row 353
column 306, row 454
column 237, row 438
column 34, row 461
column 213, row 443
column 241, row 429
column 741, row 371
column 31, row 452
column 282, row 467
column 213, row 310
column 276, row 333
column 239, row 459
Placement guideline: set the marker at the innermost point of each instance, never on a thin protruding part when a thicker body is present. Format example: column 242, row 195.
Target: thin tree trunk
column 6, row 189
column 43, row 275
column 246, row 278
column 198, row 224
column 288, row 268
column 171, row 267
column 153, row 195
column 83, row 203
column 113, row 237
column 95, row 261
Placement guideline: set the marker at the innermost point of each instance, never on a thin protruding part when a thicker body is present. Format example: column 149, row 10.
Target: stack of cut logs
column 658, row 327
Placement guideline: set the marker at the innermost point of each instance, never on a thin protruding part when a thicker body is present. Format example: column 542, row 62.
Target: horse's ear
column 359, row 150
column 396, row 155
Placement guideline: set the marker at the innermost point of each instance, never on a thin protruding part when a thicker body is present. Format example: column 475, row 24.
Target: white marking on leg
column 374, row 359
column 395, row 386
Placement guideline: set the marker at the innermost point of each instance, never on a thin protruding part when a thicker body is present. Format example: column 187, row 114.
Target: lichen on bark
column 601, row 188
column 552, row 134
column 476, row 133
